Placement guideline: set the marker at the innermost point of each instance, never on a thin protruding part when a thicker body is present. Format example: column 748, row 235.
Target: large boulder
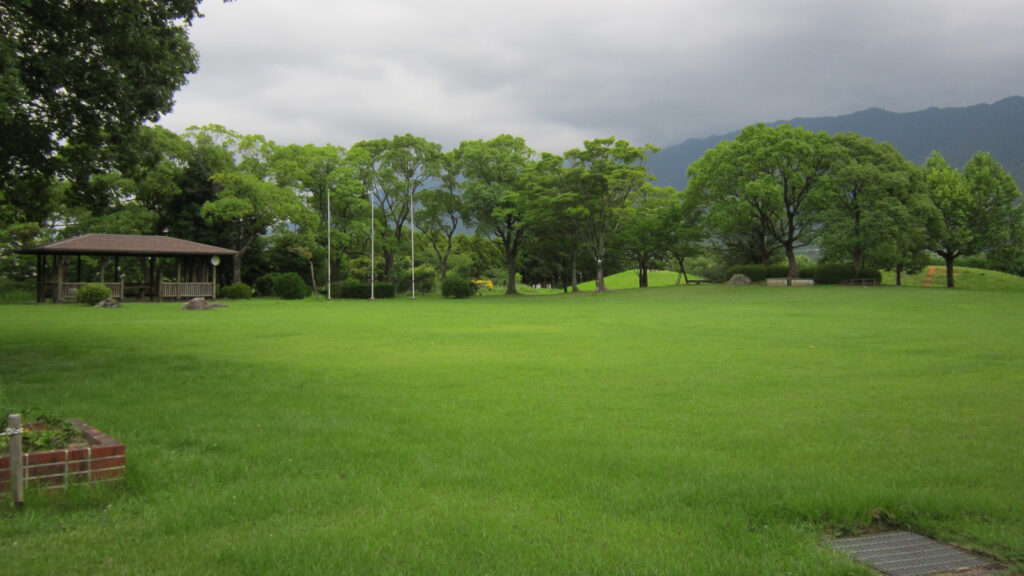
column 196, row 304
column 108, row 303
column 739, row 280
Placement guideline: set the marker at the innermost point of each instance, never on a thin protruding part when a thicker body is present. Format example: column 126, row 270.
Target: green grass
column 630, row 279
column 966, row 278
column 694, row 430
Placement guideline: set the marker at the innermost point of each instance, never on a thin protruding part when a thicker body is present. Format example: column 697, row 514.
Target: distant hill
column 957, row 133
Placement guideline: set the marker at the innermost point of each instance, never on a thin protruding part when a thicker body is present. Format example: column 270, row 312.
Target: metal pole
column 13, row 433
column 412, row 239
column 371, row 245
column 328, row 244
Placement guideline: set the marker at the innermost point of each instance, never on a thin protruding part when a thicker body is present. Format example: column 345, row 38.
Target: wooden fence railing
column 68, row 290
column 186, row 289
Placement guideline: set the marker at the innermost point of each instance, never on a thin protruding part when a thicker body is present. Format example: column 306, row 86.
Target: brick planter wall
column 103, row 460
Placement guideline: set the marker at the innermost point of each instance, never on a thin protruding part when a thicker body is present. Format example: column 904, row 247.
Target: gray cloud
column 558, row 72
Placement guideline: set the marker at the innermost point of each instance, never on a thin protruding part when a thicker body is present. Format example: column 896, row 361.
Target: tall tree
column 949, row 193
column 79, row 77
column 497, row 194
column 770, row 177
column 392, row 172
column 998, row 220
column 321, row 176
column 249, row 202
column 647, row 228
column 443, row 205
column 870, row 188
column 603, row 175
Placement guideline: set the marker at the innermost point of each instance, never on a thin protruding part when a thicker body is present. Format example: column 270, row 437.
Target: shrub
column 758, row 272
column 357, row 290
column 425, row 275
column 837, row 273
column 457, row 287
column 264, row 285
column 239, row 291
column 91, row 294
column 290, row 286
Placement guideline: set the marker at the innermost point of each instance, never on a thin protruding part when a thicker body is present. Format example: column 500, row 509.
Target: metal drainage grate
column 909, row 554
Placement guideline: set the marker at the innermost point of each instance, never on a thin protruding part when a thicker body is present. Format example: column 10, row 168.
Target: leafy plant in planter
column 43, row 432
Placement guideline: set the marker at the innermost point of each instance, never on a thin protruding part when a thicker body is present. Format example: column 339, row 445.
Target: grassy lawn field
column 673, row 430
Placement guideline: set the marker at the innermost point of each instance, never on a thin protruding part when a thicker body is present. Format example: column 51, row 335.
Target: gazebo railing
column 69, row 290
column 186, row 290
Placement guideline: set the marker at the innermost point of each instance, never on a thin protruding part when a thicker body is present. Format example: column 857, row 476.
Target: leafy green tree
column 948, row 191
column 604, row 175
column 498, row 193
column 249, row 202
column 77, row 78
column 443, row 205
column 647, row 228
column 392, row 172
column 738, row 225
column 980, row 209
column 322, row 177
column 998, row 220
column 870, row 188
column 769, row 180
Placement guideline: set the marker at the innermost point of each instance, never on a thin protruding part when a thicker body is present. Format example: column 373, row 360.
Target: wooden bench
column 698, row 282
column 788, row 282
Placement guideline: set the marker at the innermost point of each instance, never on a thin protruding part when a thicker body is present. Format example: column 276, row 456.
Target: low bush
column 91, row 294
column 290, row 286
column 457, row 287
column 758, row 272
column 238, row 291
column 357, row 290
column 264, row 285
column 837, row 273
column 425, row 276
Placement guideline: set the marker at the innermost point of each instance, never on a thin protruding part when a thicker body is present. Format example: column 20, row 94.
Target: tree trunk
column 899, row 274
column 791, row 256
column 575, row 275
column 510, row 287
column 236, row 267
column 599, row 280
column 643, row 275
column 949, row 269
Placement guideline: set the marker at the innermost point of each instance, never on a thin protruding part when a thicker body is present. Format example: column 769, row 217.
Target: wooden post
column 14, row 445
column 41, row 278
column 57, row 296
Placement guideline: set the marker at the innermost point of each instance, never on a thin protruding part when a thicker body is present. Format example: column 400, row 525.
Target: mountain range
column 956, row 133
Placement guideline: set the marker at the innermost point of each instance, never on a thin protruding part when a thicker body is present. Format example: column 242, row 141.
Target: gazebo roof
column 128, row 244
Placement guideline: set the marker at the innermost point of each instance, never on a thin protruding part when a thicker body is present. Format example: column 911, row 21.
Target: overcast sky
column 558, row 72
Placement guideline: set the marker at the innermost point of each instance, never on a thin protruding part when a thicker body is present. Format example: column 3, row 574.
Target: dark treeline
column 495, row 208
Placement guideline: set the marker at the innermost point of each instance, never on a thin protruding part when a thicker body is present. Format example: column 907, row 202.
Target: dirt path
column 929, row 276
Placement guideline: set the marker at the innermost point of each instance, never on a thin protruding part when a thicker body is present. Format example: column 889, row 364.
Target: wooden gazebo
column 194, row 275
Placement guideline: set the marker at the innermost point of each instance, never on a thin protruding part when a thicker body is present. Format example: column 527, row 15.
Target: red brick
column 45, row 470
column 102, row 463
column 47, row 457
column 78, row 454
column 107, row 474
column 79, row 465
column 102, row 451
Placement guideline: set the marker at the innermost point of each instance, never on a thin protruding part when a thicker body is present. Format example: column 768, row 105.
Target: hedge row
column 361, row 290
column 821, row 274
